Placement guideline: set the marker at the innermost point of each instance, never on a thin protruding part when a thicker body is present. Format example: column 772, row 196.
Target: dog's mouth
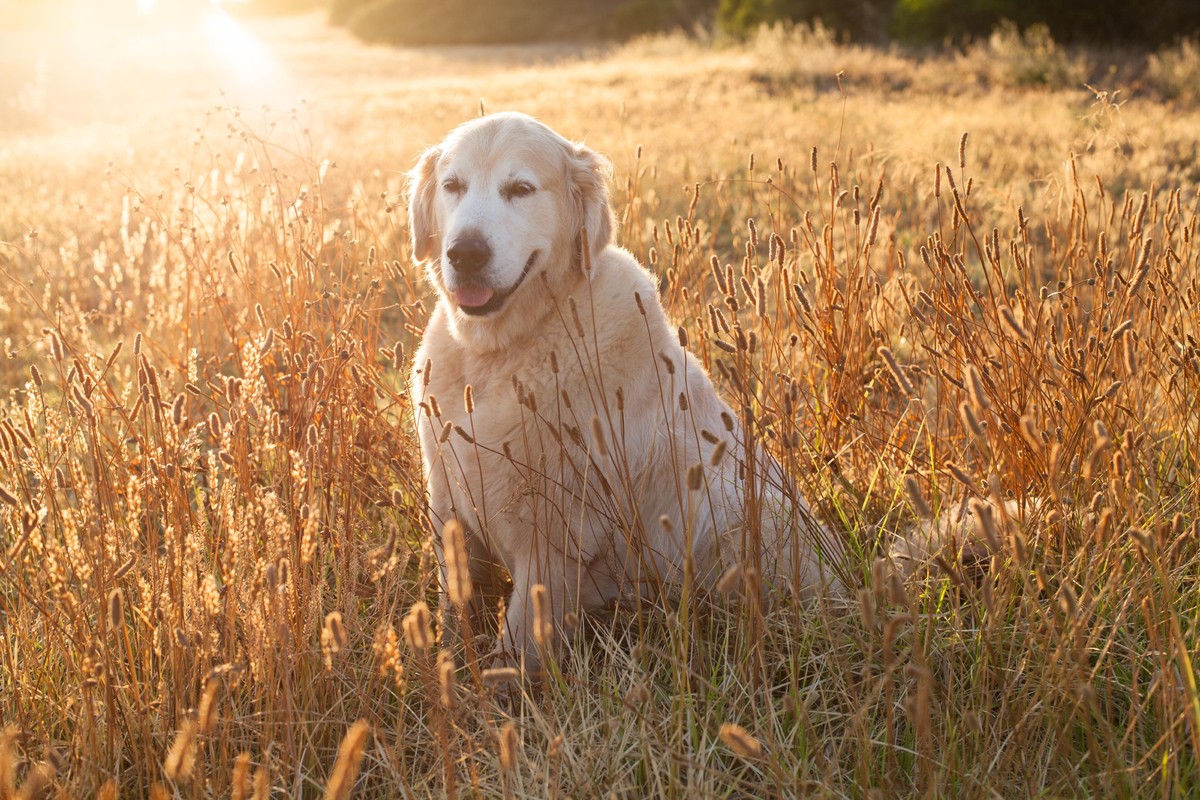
column 477, row 300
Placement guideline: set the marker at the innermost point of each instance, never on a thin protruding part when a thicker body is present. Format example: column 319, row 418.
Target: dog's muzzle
column 477, row 300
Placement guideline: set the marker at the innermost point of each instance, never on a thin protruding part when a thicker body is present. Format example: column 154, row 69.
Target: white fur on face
column 509, row 185
column 508, row 191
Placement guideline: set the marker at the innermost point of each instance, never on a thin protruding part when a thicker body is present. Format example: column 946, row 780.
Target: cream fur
column 594, row 522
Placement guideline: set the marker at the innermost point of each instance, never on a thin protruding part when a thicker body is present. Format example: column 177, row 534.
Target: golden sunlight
column 239, row 51
column 155, row 52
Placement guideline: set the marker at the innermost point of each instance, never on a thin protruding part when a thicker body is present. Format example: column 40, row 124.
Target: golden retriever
column 563, row 424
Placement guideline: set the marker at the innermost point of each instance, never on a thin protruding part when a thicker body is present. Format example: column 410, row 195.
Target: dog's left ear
column 589, row 190
column 422, row 186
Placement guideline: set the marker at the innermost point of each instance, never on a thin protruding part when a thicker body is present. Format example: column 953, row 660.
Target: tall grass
column 217, row 575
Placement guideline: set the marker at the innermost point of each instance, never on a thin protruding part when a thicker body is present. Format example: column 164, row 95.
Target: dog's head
column 502, row 200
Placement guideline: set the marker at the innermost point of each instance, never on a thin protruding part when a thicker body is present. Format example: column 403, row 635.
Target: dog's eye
column 517, row 189
column 454, row 186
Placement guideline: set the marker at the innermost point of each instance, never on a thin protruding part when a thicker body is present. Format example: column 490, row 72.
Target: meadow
column 924, row 279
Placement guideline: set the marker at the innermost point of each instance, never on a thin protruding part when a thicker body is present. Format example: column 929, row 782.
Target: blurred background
column 64, row 62
column 223, row 185
column 477, row 21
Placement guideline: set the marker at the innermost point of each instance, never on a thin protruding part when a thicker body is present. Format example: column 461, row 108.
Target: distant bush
column 1112, row 21
column 939, row 20
column 1029, row 58
column 916, row 21
column 1108, row 21
column 634, row 17
column 1175, row 71
column 416, row 22
column 867, row 20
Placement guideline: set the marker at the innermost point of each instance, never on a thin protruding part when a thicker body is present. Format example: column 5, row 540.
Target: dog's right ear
column 422, row 186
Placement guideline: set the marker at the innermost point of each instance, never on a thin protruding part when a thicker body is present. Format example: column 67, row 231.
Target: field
column 211, row 508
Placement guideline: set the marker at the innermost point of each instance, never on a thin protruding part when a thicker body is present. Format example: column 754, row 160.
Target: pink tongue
column 471, row 296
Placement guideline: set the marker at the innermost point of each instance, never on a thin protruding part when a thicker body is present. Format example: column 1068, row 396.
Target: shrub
column 1030, row 58
column 635, row 17
column 938, row 20
column 415, row 22
column 1115, row 21
column 857, row 19
column 1174, row 72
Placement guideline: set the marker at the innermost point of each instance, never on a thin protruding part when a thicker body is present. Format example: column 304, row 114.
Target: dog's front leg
column 549, row 585
column 466, row 615
column 534, row 616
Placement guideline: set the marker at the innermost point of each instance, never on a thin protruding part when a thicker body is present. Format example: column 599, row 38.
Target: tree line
column 1115, row 22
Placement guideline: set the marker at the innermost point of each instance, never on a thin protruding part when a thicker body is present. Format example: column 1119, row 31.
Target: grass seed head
column 1012, row 324
column 497, row 676
column 975, row 389
column 740, row 741
column 897, row 373
column 239, row 784
column 1129, row 355
column 416, row 627
column 508, row 746
column 961, row 475
column 718, row 454
column 458, row 574
column 543, row 624
column 116, row 609
column 446, row 679
column 56, row 346
column 598, row 438
column 985, row 523
column 913, row 487
column 970, row 420
column 336, row 629
column 206, row 712
column 181, row 758
column 349, row 761
column 262, row 783
column 731, row 579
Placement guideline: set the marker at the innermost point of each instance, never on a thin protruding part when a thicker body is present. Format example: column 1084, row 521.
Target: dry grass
column 214, row 565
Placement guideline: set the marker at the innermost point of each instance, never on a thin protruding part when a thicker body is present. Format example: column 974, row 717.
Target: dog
column 563, row 423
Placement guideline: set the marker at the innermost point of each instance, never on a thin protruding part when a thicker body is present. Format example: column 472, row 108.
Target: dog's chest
column 509, row 405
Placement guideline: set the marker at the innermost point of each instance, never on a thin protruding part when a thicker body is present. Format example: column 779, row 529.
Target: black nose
column 469, row 254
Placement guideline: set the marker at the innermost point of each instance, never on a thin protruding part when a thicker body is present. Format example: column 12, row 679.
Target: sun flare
column 238, row 50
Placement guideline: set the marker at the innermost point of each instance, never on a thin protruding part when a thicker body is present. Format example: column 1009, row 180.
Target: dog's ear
column 589, row 190
column 422, row 186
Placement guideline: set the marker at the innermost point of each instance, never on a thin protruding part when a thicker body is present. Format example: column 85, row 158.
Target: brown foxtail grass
column 243, row 469
column 239, row 785
column 458, row 587
column 181, row 757
column 740, row 741
column 349, row 761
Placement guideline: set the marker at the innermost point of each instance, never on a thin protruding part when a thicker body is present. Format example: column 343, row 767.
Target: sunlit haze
column 88, row 62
